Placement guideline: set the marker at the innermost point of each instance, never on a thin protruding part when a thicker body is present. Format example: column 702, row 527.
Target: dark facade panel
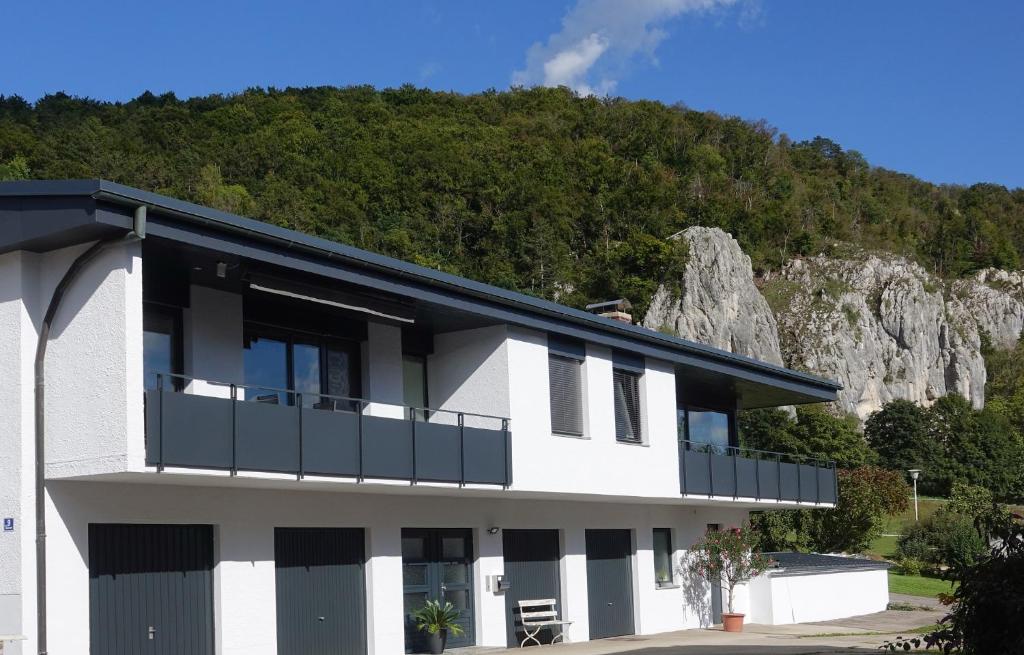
column 789, row 481
column 151, row 589
column 387, row 448
column 267, row 437
column 330, row 442
column 438, row 451
column 609, row 583
column 532, row 571
column 321, row 593
column 198, row 430
column 487, row 456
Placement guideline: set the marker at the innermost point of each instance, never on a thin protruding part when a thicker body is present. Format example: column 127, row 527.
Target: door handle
column 151, row 632
column 320, row 618
column 610, row 604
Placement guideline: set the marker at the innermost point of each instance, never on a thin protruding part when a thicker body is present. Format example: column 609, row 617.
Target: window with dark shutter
column 627, row 405
column 566, row 395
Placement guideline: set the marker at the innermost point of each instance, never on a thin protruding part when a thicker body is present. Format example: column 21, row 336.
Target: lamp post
column 914, row 474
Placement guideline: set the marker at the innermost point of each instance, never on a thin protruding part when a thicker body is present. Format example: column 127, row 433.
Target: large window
column 414, row 384
column 706, row 430
column 663, row 573
column 627, row 404
column 161, row 344
column 317, row 368
column 565, row 383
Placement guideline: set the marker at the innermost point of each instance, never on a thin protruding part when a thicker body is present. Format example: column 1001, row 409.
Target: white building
column 257, row 442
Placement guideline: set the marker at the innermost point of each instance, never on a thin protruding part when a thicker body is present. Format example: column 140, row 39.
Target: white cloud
column 599, row 38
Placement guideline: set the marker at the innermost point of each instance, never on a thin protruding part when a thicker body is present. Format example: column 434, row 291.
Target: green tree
column 899, row 433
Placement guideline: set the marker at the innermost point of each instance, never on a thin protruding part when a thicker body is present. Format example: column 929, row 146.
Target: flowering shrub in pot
column 729, row 557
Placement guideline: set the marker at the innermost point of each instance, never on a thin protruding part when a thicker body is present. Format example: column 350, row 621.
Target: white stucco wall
column 469, row 372
column 382, row 370
column 94, row 408
column 596, row 463
column 245, row 519
column 782, row 599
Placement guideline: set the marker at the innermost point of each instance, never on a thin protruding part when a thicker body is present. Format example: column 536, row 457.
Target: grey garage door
column 321, row 592
column 150, row 589
column 610, row 583
column 531, row 568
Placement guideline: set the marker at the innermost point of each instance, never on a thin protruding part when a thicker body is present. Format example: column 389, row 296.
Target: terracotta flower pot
column 732, row 622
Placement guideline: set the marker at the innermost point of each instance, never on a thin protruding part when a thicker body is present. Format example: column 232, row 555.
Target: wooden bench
column 537, row 614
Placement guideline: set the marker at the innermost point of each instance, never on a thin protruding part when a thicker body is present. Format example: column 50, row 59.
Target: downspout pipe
column 137, row 233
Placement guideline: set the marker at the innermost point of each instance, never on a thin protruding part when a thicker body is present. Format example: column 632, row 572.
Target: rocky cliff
column 882, row 325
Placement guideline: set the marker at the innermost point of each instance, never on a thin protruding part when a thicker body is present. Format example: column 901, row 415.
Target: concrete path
column 863, row 634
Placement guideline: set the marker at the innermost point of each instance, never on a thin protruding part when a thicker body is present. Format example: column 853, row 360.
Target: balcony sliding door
column 312, row 366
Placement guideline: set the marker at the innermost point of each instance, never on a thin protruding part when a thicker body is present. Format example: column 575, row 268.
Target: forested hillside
column 536, row 190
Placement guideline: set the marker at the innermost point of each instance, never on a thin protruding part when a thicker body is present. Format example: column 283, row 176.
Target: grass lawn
column 916, row 585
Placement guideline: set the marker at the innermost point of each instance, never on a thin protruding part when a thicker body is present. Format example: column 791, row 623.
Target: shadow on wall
column 696, row 594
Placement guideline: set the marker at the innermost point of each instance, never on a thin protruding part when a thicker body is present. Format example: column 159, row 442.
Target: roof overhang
column 42, row 215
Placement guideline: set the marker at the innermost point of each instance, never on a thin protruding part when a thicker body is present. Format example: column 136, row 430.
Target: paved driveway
column 862, row 634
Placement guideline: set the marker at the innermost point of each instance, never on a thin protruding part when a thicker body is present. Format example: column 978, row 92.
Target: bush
column 909, row 566
column 915, row 544
column 867, row 495
column 945, row 538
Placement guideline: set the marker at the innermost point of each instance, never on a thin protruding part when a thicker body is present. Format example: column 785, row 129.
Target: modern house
column 254, row 441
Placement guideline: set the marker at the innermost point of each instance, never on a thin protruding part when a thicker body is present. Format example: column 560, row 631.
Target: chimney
column 617, row 310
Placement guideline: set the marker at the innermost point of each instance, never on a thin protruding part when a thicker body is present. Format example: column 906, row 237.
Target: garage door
column 610, row 583
column 321, row 594
column 531, row 568
column 150, row 589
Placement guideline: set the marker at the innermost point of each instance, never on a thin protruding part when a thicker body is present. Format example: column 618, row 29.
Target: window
column 414, row 384
column 627, row 405
column 706, row 430
column 566, row 395
column 565, row 383
column 320, row 369
column 161, row 345
column 663, row 557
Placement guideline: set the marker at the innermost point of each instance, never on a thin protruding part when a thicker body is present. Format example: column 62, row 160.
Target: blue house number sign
column 8, row 525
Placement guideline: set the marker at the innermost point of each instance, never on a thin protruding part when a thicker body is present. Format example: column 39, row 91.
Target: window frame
column 671, row 582
column 730, row 415
column 581, row 415
column 637, row 421
column 256, row 330
column 173, row 313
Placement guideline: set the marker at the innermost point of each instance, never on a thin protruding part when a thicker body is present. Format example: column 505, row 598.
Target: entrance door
column 531, row 568
column 437, row 564
column 321, row 594
column 150, row 589
column 716, row 588
column 610, row 583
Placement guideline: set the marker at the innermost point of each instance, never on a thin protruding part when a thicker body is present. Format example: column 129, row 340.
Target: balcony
column 244, row 428
column 742, row 473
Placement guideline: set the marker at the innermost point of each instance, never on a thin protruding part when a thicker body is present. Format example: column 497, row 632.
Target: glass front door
column 437, row 565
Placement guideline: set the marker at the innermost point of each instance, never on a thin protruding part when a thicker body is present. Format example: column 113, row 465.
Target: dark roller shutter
column 531, row 568
column 566, row 395
column 627, row 405
column 321, row 597
column 150, row 589
column 609, row 583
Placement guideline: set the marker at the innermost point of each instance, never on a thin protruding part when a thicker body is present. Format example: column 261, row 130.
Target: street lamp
column 914, row 475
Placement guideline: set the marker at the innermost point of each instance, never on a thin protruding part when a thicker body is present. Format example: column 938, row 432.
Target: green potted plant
column 728, row 557
column 438, row 621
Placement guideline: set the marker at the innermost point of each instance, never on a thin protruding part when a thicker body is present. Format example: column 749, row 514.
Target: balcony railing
column 737, row 472
column 287, row 431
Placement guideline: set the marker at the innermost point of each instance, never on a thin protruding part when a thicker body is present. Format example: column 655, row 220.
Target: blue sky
column 934, row 88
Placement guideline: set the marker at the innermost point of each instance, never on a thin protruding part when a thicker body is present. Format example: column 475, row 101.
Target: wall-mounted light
column 222, row 270
column 493, row 530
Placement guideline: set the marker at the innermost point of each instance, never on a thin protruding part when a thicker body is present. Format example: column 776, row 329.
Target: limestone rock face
column 880, row 324
column 718, row 304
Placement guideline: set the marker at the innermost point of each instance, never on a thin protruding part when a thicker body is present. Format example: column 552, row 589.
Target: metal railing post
column 462, row 450
column 508, row 449
column 757, row 475
column 234, row 430
column 298, row 406
column 412, row 420
column 778, row 474
column 799, row 484
column 683, row 447
column 711, row 475
column 817, row 484
column 359, row 432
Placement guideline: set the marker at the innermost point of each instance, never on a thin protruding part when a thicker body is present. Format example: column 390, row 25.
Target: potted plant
column 729, row 557
column 438, row 621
